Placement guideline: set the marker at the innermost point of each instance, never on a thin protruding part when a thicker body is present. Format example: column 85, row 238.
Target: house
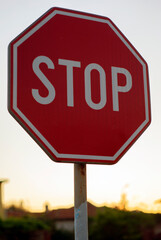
column 64, row 218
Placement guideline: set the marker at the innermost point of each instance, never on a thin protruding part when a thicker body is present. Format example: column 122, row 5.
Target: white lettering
column 115, row 88
column 70, row 92
column 36, row 68
column 70, row 64
column 103, row 98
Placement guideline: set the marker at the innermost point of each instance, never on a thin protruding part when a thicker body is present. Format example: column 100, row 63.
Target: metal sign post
column 80, row 202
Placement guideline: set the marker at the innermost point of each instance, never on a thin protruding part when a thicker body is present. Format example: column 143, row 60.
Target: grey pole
column 80, row 202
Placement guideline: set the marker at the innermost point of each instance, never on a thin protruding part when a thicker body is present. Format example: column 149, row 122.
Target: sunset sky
column 34, row 178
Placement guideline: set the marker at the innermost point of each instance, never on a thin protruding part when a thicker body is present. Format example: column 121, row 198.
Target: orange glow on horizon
column 130, row 206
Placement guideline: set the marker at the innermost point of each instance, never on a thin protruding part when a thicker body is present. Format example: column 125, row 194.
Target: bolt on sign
column 78, row 87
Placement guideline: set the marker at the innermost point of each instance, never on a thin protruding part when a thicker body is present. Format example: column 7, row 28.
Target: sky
column 34, row 178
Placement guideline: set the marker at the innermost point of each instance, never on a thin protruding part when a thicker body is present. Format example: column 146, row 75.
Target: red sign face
column 78, row 87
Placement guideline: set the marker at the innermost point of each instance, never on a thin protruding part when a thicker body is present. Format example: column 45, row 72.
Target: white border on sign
column 35, row 130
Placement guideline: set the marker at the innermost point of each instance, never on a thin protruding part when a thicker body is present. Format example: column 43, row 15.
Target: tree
column 114, row 224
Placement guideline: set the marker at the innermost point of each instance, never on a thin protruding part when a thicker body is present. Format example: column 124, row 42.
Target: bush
column 62, row 235
column 21, row 228
column 113, row 224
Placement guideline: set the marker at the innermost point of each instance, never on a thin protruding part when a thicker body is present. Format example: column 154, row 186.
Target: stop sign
column 78, row 87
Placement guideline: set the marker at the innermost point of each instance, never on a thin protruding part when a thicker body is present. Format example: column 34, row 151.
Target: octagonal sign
column 78, row 87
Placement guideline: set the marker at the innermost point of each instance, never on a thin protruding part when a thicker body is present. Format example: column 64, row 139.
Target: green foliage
column 62, row 235
column 113, row 224
column 28, row 228
column 108, row 224
column 21, row 228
